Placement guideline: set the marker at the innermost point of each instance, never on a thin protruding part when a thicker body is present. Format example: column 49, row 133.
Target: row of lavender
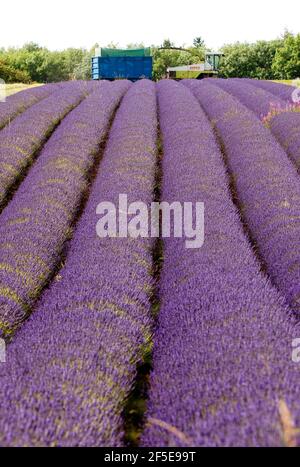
column 282, row 91
column 266, row 182
column 259, row 100
column 21, row 140
column 73, row 363
column 285, row 125
column 19, row 102
column 36, row 223
column 223, row 374
column 270, row 102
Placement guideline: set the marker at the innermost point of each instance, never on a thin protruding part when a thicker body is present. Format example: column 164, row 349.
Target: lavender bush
column 280, row 117
column 255, row 98
column 223, row 374
column 20, row 141
column 72, row 364
column 266, row 182
column 35, row 225
column 282, row 91
column 20, row 101
column 286, row 128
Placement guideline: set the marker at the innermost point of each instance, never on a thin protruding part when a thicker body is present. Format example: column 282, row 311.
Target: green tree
column 286, row 64
column 112, row 45
column 162, row 59
column 72, row 59
column 43, row 65
column 198, row 42
column 83, row 69
column 236, row 61
column 32, row 47
column 262, row 57
column 11, row 75
column 249, row 60
column 136, row 45
column 168, row 44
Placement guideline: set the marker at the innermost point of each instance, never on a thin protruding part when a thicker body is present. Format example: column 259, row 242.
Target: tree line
column 276, row 59
column 33, row 63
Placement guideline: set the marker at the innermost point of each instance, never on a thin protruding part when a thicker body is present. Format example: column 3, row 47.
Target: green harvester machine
column 207, row 69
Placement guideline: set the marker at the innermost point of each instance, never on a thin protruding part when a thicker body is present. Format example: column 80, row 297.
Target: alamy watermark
column 296, row 350
column 296, row 92
column 2, row 351
column 138, row 220
column 2, row 91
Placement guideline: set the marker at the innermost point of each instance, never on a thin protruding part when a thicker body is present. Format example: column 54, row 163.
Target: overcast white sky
column 58, row 24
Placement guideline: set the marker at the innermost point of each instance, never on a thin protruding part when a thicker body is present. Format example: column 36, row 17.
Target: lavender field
column 142, row 341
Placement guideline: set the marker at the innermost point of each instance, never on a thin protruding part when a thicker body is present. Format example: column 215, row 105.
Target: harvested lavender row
column 20, row 101
column 72, row 364
column 267, row 185
column 20, row 141
column 35, row 225
column 255, row 98
column 222, row 374
column 283, row 91
column 286, row 128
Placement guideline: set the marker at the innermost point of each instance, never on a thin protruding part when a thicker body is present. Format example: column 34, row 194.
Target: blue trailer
column 132, row 64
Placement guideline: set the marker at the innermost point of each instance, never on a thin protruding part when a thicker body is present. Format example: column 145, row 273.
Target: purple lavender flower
column 72, row 364
column 222, row 374
column 37, row 222
column 266, row 182
column 20, row 141
column 260, row 101
column 282, row 91
column 222, row 368
column 286, row 128
column 20, row 101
